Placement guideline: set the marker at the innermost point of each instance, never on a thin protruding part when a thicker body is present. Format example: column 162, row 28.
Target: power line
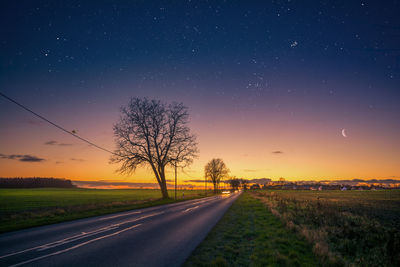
column 56, row 125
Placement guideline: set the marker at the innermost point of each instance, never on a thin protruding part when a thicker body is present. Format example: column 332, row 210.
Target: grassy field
column 349, row 228
column 250, row 235
column 23, row 208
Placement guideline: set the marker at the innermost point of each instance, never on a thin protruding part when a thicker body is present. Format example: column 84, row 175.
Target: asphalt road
column 157, row 236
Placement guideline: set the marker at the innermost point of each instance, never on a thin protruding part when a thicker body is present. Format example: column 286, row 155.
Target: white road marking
column 76, row 246
column 137, row 219
column 198, row 202
column 78, row 236
column 120, row 215
column 51, row 243
column 189, row 209
column 59, row 243
column 203, row 201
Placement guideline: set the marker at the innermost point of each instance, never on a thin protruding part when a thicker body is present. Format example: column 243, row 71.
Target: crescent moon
column 344, row 132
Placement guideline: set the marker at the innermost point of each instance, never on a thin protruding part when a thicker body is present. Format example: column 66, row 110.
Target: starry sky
column 270, row 85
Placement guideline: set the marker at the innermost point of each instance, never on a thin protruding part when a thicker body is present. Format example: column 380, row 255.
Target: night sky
column 269, row 87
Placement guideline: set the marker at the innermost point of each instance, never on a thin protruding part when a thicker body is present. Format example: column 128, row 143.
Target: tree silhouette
column 215, row 170
column 150, row 132
column 244, row 183
column 234, row 183
column 35, row 182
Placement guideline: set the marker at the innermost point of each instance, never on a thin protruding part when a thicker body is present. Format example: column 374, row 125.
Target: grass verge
column 24, row 208
column 249, row 235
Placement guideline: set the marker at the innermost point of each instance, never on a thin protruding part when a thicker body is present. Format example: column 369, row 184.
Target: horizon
column 274, row 94
column 199, row 184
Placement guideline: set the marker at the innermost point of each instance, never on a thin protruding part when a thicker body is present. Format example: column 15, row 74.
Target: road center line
column 189, row 209
column 137, row 219
column 83, row 234
column 76, row 246
column 203, row 201
column 78, row 236
column 120, row 215
column 75, row 239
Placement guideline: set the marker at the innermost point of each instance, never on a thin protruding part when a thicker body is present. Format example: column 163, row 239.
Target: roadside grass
column 24, row 208
column 345, row 228
column 250, row 235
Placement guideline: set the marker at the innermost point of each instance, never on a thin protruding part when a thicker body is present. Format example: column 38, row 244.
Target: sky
column 305, row 90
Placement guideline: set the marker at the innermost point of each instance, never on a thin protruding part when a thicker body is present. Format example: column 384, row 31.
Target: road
column 157, row 236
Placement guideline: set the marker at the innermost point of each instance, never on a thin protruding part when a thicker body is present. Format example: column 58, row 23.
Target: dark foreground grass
column 249, row 235
column 23, row 208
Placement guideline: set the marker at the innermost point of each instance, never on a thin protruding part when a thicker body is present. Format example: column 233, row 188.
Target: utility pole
column 205, row 185
column 175, row 180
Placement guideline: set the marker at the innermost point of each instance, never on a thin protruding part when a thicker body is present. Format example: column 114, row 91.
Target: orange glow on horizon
column 311, row 150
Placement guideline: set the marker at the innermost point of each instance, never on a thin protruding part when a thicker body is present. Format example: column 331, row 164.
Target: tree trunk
column 160, row 176
column 163, row 185
column 164, row 190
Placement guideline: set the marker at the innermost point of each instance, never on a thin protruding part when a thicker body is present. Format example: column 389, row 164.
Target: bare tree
column 234, row 183
column 215, row 170
column 154, row 133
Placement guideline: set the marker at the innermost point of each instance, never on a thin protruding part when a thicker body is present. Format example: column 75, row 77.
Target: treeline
column 35, row 182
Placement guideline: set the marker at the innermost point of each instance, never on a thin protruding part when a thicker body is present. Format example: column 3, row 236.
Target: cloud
column 249, row 170
column 23, row 158
column 277, row 152
column 80, row 160
column 55, row 143
column 64, row 144
column 51, row 143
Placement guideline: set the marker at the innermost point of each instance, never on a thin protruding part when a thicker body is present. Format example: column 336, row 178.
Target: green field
column 22, row 208
column 250, row 235
column 345, row 228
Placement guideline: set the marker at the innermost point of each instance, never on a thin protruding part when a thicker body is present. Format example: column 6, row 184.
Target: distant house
column 313, row 188
column 320, row 188
column 343, row 188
